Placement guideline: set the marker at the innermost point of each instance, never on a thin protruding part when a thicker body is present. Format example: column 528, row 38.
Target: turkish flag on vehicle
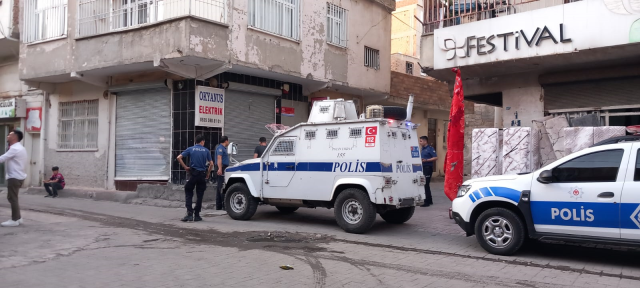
column 454, row 161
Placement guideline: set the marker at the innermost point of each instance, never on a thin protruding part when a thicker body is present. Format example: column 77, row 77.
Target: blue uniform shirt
column 198, row 157
column 222, row 151
column 427, row 153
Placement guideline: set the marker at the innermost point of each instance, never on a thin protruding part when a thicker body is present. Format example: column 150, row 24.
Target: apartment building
column 20, row 106
column 124, row 78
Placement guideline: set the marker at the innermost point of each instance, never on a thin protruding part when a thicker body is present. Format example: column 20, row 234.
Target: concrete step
column 94, row 194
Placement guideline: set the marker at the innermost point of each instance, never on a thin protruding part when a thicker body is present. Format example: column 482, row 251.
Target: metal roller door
column 595, row 93
column 143, row 134
column 245, row 117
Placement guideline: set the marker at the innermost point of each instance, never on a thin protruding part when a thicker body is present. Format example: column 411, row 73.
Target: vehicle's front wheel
column 354, row 211
column 287, row 210
column 239, row 202
column 500, row 231
column 398, row 216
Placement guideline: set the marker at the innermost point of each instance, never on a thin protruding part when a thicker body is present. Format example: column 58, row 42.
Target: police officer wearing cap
column 199, row 157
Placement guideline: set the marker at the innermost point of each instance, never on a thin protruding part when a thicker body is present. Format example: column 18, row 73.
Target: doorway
column 4, row 131
column 431, row 132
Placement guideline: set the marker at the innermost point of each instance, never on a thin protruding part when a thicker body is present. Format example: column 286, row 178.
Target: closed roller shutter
column 143, row 134
column 598, row 93
column 244, row 120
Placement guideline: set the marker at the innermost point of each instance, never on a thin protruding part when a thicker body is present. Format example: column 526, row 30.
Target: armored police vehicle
column 358, row 165
column 589, row 196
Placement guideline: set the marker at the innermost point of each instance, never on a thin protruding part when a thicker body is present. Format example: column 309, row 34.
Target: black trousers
column 199, row 182
column 427, row 171
column 52, row 186
column 219, row 184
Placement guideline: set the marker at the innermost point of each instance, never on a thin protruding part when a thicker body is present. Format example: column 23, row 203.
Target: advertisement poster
column 209, row 107
column 34, row 119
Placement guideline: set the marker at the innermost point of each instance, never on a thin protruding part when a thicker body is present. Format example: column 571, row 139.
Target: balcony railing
column 103, row 16
column 44, row 20
column 446, row 13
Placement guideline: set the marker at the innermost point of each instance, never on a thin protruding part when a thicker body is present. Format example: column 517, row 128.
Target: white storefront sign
column 13, row 107
column 209, row 107
column 567, row 28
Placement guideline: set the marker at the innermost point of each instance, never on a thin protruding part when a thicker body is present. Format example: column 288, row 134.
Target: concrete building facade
column 122, row 79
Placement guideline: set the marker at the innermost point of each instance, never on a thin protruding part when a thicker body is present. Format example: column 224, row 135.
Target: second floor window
column 371, row 58
column 409, row 68
column 44, row 19
column 78, row 125
column 280, row 17
column 336, row 25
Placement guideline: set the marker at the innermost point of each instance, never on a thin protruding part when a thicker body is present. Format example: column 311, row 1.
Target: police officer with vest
column 222, row 160
column 199, row 157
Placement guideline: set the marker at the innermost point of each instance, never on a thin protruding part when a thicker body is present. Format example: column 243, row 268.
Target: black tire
column 356, row 204
column 287, row 210
column 394, row 112
column 398, row 216
column 244, row 205
column 512, row 231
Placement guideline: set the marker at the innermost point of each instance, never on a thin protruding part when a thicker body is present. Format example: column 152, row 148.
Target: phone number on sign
column 209, row 120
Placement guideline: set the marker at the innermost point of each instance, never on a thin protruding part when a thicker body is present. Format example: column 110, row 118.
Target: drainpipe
column 43, row 135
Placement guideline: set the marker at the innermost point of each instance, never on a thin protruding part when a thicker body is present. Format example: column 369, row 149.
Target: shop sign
column 12, row 107
column 34, row 119
column 288, row 111
column 209, row 107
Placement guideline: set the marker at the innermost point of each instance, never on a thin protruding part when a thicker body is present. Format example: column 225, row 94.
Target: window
column 309, row 134
column 332, row 133
column 636, row 174
column 371, row 58
column 44, row 19
column 595, row 167
column 78, row 125
column 409, row 68
column 279, row 17
column 336, row 25
column 355, row 132
column 284, row 147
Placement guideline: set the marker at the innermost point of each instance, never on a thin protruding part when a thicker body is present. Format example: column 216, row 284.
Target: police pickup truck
column 361, row 166
column 590, row 196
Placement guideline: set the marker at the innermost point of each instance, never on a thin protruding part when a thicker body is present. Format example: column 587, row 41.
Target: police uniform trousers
column 219, row 184
column 427, row 171
column 199, row 182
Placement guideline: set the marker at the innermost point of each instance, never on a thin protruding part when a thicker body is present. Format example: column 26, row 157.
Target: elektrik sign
column 483, row 45
column 209, row 107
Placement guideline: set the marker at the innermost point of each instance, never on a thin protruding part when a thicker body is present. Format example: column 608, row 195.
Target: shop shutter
column 246, row 114
column 595, row 93
column 143, row 134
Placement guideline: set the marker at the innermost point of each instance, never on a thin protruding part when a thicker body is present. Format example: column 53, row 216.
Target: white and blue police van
column 589, row 196
column 361, row 166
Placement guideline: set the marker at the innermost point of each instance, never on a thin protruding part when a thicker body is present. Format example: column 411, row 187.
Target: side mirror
column 545, row 177
column 234, row 149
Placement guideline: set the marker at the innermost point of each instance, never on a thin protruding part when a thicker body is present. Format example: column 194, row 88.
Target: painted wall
column 80, row 168
column 10, row 84
column 521, row 106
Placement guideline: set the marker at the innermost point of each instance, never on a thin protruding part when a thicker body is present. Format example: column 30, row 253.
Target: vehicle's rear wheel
column 398, row 216
column 287, row 210
column 354, row 211
column 500, row 231
column 239, row 202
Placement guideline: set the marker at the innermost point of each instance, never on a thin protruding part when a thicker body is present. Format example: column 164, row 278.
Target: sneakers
column 197, row 218
column 188, row 218
column 11, row 223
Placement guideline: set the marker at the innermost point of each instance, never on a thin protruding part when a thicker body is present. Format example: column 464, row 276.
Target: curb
column 98, row 195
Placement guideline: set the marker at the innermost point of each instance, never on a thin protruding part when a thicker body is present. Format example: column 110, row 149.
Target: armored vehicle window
column 284, row 147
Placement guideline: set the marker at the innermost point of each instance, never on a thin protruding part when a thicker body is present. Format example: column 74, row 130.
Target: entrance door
column 34, row 171
column 281, row 167
column 431, row 132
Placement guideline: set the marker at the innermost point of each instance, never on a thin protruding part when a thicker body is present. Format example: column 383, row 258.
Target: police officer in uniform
column 199, row 157
column 222, row 160
column 428, row 155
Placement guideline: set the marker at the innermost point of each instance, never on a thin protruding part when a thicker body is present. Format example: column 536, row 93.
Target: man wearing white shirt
column 16, row 160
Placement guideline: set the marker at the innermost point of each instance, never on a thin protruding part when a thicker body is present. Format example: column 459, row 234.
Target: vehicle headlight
column 463, row 190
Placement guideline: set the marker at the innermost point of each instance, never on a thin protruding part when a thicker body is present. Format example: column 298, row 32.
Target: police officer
column 257, row 153
column 222, row 160
column 199, row 157
column 429, row 157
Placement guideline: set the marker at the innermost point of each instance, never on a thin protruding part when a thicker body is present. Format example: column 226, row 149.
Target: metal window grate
column 404, row 135
column 78, row 125
column 355, row 132
column 409, row 68
column 103, row 16
column 394, row 134
column 309, row 134
column 332, row 133
column 44, row 19
column 336, row 25
column 324, row 109
column 371, row 58
column 280, row 17
column 284, row 147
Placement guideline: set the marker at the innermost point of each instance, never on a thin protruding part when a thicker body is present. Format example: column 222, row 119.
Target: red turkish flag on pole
column 454, row 161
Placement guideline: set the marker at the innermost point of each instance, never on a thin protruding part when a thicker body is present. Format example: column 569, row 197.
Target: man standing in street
column 16, row 160
column 222, row 160
column 429, row 156
column 199, row 157
column 260, row 149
